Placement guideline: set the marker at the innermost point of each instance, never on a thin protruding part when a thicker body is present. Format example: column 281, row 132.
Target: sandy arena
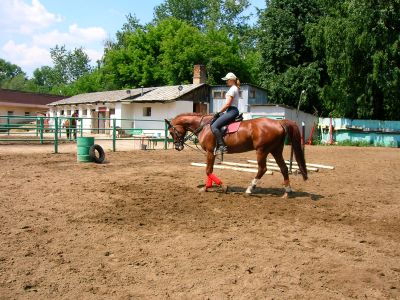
column 136, row 228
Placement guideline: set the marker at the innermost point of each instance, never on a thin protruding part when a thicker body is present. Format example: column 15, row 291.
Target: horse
column 262, row 135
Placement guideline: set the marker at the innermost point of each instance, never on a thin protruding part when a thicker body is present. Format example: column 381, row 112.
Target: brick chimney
column 199, row 74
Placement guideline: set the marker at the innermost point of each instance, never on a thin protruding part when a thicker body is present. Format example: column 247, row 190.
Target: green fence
column 56, row 130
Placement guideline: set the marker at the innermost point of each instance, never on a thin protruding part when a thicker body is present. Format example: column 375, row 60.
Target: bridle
column 182, row 138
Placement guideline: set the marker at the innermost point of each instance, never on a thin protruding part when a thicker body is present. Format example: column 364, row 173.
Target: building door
column 200, row 108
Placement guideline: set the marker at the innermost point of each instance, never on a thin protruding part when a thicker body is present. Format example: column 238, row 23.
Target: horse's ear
column 168, row 122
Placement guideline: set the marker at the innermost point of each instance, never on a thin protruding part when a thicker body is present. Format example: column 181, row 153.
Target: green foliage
column 69, row 65
column 287, row 64
column 8, row 70
column 358, row 43
column 165, row 52
column 205, row 14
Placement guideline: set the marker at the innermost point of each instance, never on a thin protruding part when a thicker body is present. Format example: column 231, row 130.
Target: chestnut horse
column 262, row 135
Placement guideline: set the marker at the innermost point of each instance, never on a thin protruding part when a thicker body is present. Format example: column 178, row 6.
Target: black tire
column 92, row 153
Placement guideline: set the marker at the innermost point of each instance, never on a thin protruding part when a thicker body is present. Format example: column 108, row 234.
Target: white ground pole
column 226, row 167
column 271, row 167
column 274, row 166
column 311, row 165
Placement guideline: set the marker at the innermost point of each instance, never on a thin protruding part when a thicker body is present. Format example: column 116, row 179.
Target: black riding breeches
column 228, row 117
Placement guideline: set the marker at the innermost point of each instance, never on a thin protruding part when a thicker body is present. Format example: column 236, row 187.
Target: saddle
column 232, row 127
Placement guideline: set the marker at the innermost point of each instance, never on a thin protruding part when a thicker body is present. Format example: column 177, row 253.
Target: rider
column 229, row 111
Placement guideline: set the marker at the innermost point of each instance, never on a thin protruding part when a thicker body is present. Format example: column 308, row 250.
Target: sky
column 29, row 28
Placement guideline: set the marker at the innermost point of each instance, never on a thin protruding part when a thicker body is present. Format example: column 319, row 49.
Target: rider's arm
column 228, row 103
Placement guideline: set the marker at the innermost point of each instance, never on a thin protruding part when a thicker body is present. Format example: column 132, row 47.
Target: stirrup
column 221, row 149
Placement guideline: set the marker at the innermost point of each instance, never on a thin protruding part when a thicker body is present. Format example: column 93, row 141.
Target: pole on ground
column 56, row 135
column 114, row 134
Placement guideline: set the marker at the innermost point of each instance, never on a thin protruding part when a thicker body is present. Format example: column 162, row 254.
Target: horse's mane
column 193, row 115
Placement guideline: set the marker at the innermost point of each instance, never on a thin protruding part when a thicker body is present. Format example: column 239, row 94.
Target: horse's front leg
column 210, row 176
column 262, row 168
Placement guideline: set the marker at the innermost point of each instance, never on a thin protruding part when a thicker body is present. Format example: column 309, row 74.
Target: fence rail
column 55, row 130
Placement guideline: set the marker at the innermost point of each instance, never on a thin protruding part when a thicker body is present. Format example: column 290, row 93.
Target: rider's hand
column 217, row 115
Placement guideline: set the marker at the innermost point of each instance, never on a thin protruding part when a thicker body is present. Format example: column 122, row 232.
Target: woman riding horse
column 229, row 111
column 263, row 135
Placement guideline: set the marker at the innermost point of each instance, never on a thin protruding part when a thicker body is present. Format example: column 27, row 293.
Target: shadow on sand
column 274, row 192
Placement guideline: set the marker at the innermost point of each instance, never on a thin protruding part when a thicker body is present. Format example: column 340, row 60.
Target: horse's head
column 178, row 133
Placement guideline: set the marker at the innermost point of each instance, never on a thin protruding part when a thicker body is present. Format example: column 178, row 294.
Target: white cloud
column 94, row 55
column 26, row 56
column 28, row 31
column 75, row 36
column 25, row 18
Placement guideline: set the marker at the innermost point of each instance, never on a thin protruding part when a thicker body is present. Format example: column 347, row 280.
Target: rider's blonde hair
column 237, row 83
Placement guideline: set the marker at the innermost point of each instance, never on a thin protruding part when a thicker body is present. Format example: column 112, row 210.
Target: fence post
column 56, row 135
column 8, row 125
column 165, row 136
column 41, row 129
column 114, row 134
column 37, row 127
column 59, row 126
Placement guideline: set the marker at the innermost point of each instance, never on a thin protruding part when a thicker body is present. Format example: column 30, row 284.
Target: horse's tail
column 294, row 134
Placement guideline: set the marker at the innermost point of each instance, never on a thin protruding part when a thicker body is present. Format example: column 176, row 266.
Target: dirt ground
column 136, row 228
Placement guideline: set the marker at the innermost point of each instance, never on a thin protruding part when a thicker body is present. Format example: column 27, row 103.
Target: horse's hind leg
column 285, row 172
column 262, row 168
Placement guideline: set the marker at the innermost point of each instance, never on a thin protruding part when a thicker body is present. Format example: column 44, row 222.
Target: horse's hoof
column 224, row 188
column 287, row 195
column 203, row 190
column 249, row 190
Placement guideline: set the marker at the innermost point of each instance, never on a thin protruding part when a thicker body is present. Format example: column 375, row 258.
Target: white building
column 143, row 108
column 280, row 112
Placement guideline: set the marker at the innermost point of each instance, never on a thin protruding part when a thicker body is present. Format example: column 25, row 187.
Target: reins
column 182, row 140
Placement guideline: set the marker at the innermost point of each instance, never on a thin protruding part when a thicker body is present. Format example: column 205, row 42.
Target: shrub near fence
column 53, row 130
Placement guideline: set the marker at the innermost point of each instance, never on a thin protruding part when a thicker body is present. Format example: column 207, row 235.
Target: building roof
column 168, row 93
column 152, row 94
column 108, row 96
column 12, row 96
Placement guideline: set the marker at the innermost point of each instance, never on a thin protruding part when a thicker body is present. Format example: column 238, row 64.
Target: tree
column 359, row 46
column 287, row 65
column 165, row 52
column 215, row 14
column 8, row 70
column 69, row 65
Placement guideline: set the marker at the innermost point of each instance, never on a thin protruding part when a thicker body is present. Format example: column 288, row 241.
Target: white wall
column 278, row 112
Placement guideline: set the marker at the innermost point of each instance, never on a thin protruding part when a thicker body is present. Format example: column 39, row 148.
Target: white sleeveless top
column 234, row 92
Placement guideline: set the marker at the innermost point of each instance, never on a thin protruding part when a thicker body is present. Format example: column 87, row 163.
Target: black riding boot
column 220, row 141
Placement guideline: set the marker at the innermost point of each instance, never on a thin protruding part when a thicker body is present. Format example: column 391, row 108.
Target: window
column 68, row 112
column 61, row 112
column 147, row 111
column 84, row 112
column 112, row 111
column 217, row 95
column 10, row 113
column 252, row 94
column 27, row 114
column 241, row 94
column 224, row 94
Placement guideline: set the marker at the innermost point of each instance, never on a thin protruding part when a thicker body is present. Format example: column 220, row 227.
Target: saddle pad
column 233, row 127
